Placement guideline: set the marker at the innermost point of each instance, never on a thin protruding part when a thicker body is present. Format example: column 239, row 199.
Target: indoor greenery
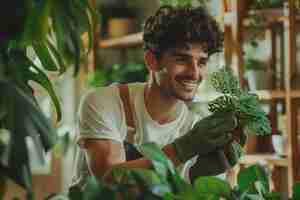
column 254, row 64
column 263, row 4
column 182, row 2
column 164, row 183
column 251, row 118
column 122, row 73
column 36, row 37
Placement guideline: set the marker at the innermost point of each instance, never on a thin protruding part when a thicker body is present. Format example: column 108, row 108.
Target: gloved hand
column 206, row 136
column 221, row 159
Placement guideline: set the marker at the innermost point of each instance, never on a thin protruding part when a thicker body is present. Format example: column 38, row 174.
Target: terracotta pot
column 118, row 27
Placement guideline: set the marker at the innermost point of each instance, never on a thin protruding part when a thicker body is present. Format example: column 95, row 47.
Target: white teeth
column 189, row 84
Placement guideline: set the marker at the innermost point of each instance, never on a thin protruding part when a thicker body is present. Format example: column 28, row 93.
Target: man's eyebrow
column 184, row 55
column 180, row 54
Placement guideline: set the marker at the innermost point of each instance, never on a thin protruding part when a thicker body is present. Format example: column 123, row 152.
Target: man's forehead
column 190, row 48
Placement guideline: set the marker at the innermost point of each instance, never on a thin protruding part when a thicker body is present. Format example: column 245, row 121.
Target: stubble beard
column 170, row 90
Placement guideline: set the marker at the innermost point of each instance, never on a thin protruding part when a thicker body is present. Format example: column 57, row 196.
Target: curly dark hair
column 174, row 26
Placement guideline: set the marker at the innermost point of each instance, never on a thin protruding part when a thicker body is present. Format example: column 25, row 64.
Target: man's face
column 182, row 70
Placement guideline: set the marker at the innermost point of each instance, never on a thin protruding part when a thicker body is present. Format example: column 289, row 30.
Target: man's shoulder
column 108, row 97
column 136, row 86
column 100, row 96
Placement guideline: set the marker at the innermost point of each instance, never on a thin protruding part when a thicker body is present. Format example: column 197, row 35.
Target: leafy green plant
column 164, row 183
column 244, row 104
column 182, row 2
column 254, row 64
column 39, row 36
column 251, row 117
column 261, row 4
column 131, row 72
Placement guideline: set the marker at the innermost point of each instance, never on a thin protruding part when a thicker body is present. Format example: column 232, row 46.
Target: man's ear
column 151, row 61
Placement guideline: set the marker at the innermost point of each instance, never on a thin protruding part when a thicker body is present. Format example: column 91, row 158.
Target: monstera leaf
column 22, row 119
column 37, row 36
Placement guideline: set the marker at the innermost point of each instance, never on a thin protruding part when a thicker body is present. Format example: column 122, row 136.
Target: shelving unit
column 132, row 40
column 289, row 94
column 267, row 158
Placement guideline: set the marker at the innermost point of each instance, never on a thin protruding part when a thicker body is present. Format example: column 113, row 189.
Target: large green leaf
column 248, row 177
column 37, row 22
column 296, row 191
column 19, row 121
column 179, row 185
column 45, row 56
column 213, row 185
column 41, row 78
column 76, row 39
column 146, row 177
column 92, row 189
column 58, row 57
column 162, row 164
column 273, row 196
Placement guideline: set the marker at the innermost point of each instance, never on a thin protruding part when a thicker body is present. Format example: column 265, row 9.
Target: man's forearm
column 144, row 163
column 169, row 150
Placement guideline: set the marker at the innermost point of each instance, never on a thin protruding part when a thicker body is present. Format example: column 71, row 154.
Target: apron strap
column 128, row 108
column 130, row 150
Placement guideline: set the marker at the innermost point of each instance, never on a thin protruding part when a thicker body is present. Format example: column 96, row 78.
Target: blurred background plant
column 36, row 37
column 131, row 72
column 263, row 4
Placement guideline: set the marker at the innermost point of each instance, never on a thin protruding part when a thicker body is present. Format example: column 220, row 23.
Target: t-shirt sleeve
column 100, row 116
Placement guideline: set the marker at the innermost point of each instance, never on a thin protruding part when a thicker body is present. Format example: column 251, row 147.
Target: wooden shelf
column 276, row 94
column 271, row 16
column 271, row 159
column 132, row 40
column 270, row 94
column 295, row 93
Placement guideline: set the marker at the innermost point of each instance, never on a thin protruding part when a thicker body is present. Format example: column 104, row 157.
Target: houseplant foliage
column 251, row 118
column 164, row 183
column 262, row 4
column 36, row 36
column 131, row 72
column 182, row 2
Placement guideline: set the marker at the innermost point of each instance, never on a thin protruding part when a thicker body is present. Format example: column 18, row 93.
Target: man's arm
column 104, row 155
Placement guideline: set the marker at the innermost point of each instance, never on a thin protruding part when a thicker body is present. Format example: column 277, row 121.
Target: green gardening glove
column 207, row 135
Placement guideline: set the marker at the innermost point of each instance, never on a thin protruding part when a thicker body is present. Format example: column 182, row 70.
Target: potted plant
column 279, row 143
column 255, row 73
column 37, row 37
column 123, row 73
column 164, row 183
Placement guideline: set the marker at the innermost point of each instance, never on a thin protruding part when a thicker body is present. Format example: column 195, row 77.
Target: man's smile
column 187, row 84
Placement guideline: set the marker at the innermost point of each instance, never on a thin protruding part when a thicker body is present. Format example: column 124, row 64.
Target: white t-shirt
column 101, row 116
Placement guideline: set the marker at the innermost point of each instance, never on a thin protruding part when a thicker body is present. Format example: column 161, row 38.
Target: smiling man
column 178, row 43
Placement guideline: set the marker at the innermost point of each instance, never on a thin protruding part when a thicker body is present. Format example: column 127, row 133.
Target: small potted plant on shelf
column 279, row 142
column 119, row 17
column 255, row 73
column 264, row 11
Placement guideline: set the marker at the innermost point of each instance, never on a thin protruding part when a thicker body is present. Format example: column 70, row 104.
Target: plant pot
column 212, row 164
column 257, row 79
column 279, row 143
column 118, row 27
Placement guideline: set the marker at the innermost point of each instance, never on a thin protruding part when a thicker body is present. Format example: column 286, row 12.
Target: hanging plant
column 37, row 36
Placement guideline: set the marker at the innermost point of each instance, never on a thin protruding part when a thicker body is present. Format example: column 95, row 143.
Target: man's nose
column 193, row 69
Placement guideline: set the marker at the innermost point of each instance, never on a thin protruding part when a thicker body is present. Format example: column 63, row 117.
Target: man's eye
column 202, row 63
column 181, row 60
